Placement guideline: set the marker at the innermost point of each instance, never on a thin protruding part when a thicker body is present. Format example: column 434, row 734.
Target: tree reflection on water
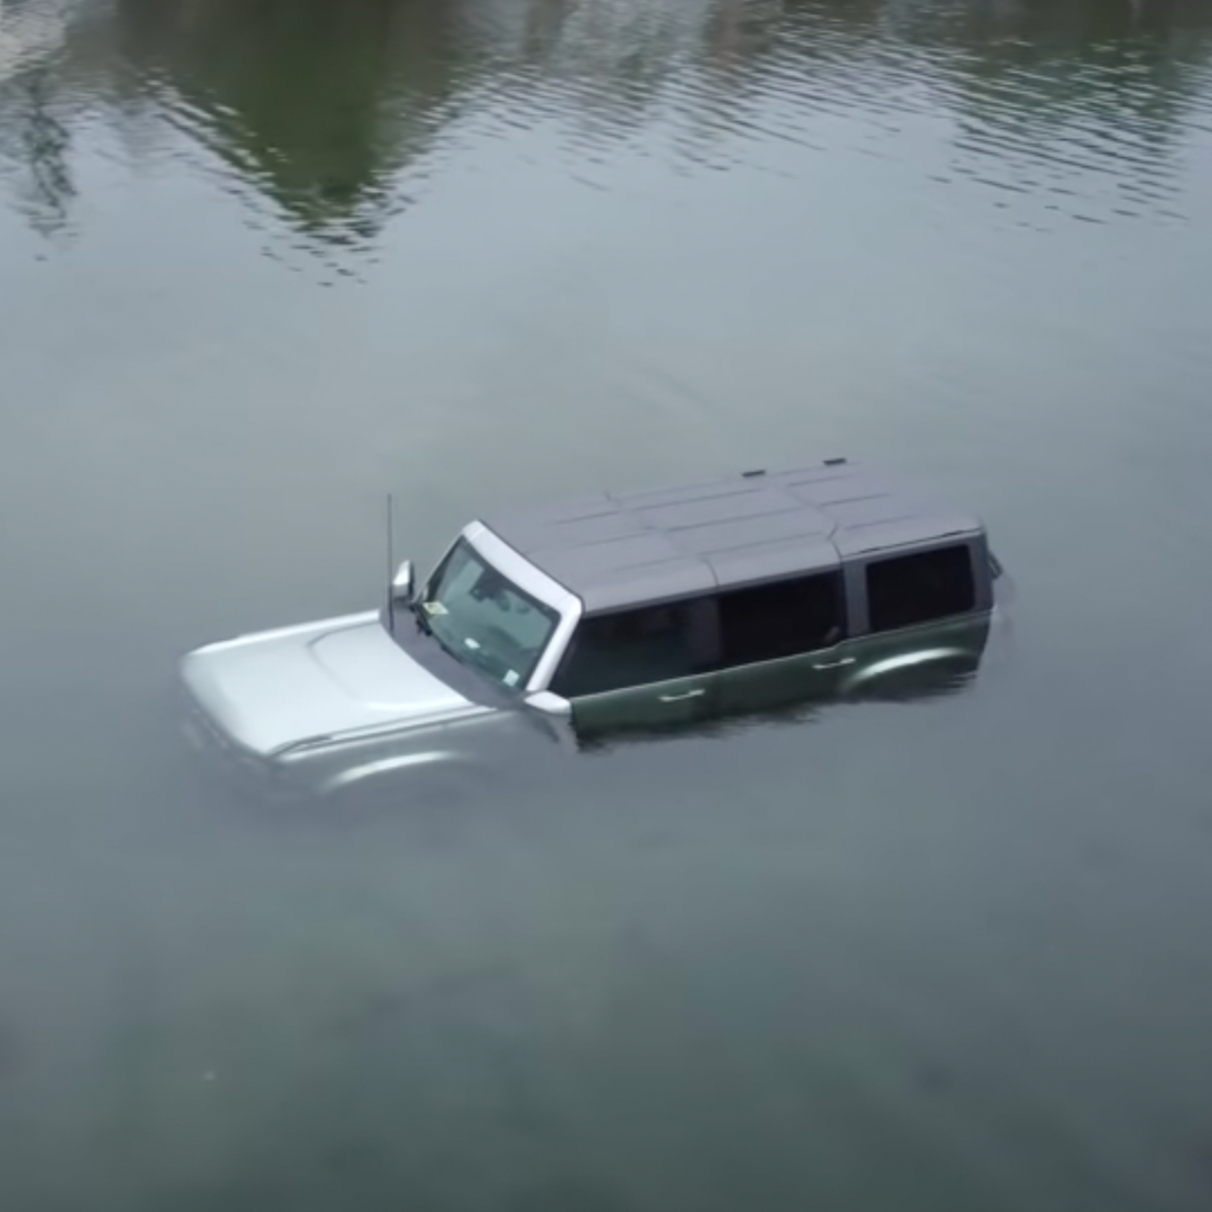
column 33, row 137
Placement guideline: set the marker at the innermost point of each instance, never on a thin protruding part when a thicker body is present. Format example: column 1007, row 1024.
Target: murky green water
column 262, row 262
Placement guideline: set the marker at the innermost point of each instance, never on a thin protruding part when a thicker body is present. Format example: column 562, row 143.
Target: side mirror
column 401, row 583
column 549, row 704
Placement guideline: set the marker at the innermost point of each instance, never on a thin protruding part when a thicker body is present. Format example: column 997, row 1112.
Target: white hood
column 278, row 688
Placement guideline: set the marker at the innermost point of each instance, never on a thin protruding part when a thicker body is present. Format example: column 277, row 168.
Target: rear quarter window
column 781, row 619
column 907, row 590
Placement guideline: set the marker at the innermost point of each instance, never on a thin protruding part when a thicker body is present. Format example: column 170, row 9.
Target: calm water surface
column 261, row 263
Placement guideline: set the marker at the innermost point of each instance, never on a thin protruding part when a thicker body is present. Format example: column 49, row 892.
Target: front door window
column 635, row 648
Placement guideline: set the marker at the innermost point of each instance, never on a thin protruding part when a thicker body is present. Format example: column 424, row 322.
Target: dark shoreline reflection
column 320, row 108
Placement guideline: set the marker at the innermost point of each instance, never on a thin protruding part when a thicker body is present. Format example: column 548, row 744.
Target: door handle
column 836, row 664
column 681, row 698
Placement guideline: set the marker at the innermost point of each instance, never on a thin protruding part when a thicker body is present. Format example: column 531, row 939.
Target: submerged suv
column 613, row 611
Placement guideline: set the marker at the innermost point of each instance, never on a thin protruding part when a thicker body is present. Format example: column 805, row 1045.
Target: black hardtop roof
column 620, row 549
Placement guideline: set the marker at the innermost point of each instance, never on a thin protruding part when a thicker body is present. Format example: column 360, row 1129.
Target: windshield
column 483, row 619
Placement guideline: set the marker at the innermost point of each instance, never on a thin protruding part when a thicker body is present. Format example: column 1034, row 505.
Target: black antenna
column 391, row 566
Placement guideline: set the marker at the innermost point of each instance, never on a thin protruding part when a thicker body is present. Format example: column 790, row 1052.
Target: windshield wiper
column 457, row 651
column 418, row 612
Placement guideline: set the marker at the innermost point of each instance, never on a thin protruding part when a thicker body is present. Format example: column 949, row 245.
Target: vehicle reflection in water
column 915, row 678
column 529, row 750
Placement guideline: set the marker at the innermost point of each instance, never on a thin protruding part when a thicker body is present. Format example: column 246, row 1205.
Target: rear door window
column 919, row 588
column 636, row 648
column 781, row 619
